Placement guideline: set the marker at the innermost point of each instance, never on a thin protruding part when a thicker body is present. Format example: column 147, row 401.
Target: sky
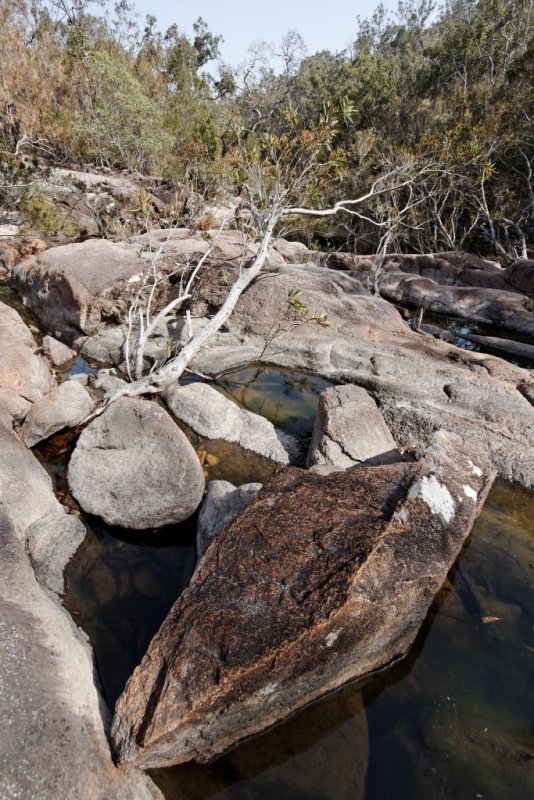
column 324, row 24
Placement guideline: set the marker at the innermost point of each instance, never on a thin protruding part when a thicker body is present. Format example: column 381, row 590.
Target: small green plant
column 294, row 301
column 224, row 275
column 42, row 217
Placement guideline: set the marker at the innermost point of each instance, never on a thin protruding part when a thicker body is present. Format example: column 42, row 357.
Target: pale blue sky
column 324, row 24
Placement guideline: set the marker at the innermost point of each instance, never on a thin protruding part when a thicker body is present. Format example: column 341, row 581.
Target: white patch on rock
column 470, row 492
column 134, row 279
column 332, row 638
column 475, row 470
column 435, row 495
column 268, row 690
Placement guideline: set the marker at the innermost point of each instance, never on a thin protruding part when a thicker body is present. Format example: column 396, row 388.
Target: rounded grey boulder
column 133, row 467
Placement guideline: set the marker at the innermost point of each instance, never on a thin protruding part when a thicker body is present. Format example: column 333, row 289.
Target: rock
column 321, row 580
column 52, row 730
column 79, row 377
column 420, row 384
column 107, row 381
column 52, row 541
column 106, row 346
column 496, row 307
column 133, row 467
column 24, row 376
column 57, row 352
column 72, row 287
column 519, row 277
column 65, row 407
column 209, row 413
column 221, row 504
column 349, row 429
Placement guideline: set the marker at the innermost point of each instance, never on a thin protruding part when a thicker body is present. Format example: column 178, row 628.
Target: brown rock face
column 320, row 581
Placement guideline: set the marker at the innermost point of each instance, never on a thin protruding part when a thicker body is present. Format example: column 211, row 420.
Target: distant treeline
column 451, row 89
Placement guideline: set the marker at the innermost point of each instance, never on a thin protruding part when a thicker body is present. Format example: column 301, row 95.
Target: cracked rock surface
column 319, row 581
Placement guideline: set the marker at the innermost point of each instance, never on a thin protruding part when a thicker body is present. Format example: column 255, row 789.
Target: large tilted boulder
column 223, row 502
column 52, row 730
column 420, row 383
column 133, row 467
column 349, row 429
column 209, row 413
column 24, row 376
column 64, row 407
column 321, row 580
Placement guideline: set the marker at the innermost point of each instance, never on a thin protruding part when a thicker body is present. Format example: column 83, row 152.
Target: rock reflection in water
column 287, row 398
column 120, row 589
column 319, row 754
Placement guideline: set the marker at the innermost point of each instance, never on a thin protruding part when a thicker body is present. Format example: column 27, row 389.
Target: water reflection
column 287, row 398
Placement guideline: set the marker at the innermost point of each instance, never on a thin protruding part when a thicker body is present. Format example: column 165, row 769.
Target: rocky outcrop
column 133, row 467
column 349, row 429
column 73, row 287
column 421, row 384
column 64, row 407
column 24, row 375
column 52, row 734
column 223, row 502
column 209, row 413
column 310, row 587
column 507, row 310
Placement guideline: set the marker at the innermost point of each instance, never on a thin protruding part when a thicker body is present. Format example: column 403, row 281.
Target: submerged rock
column 133, row 467
column 320, row 581
column 349, row 429
column 209, row 413
column 64, row 407
column 223, row 502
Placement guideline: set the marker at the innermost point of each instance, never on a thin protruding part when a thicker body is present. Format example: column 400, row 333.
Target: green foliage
column 41, row 217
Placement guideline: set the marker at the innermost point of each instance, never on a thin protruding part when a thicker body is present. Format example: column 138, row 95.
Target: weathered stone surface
column 349, row 429
column 72, row 287
column 52, row 734
column 52, row 541
column 421, row 384
column 57, row 352
column 209, row 413
column 510, row 311
column 319, row 581
column 133, row 467
column 64, row 407
column 107, row 381
column 223, row 502
column 24, row 376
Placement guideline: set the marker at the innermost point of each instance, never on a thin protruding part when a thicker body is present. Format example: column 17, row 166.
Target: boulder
column 52, row 728
column 212, row 415
column 318, row 582
column 52, row 541
column 519, row 277
column 420, row 384
column 349, row 429
column 507, row 310
column 133, row 467
column 57, row 352
column 64, row 407
column 24, row 376
column 223, row 502
column 72, row 287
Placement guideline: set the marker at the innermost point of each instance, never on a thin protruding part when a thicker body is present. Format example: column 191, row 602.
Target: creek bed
column 454, row 720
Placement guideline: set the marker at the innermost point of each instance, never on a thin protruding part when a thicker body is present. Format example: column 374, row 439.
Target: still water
column 453, row 721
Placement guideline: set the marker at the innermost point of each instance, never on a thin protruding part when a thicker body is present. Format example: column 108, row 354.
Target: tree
column 280, row 174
